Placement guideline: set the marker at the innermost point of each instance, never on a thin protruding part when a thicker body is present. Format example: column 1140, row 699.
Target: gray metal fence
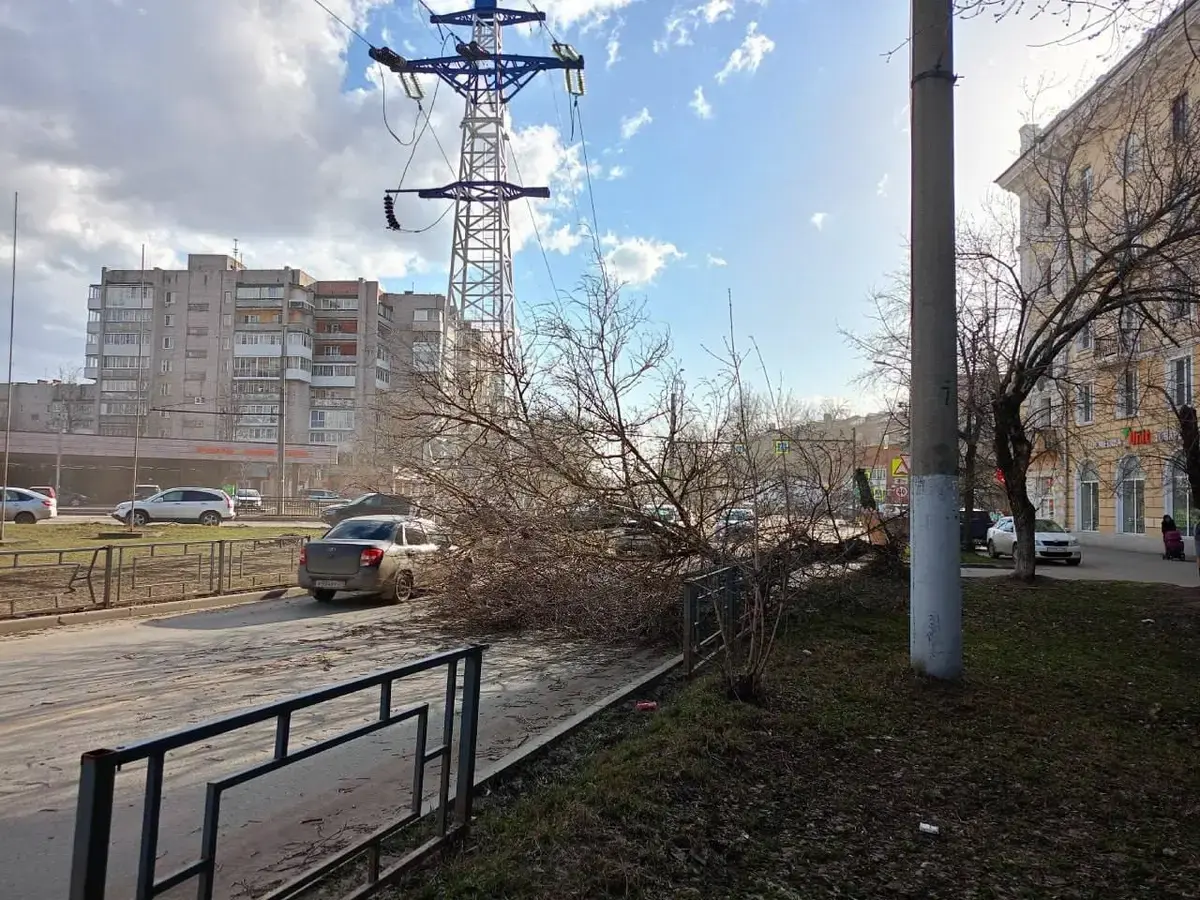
column 38, row 582
column 713, row 609
column 99, row 769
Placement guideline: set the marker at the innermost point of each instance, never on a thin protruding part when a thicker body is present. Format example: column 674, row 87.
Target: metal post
column 58, row 464
column 935, row 610
column 281, row 437
column 12, row 320
column 447, row 744
column 141, row 381
column 93, row 826
column 468, row 734
column 689, row 627
column 108, row 570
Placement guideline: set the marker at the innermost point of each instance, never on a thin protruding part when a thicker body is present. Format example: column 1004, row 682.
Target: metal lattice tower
column 481, row 274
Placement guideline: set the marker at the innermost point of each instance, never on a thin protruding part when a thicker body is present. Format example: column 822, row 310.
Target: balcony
column 332, row 403
column 298, row 375
column 95, row 297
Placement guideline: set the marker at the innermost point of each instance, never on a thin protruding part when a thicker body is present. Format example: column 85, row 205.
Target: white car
column 1051, row 542
column 208, row 506
column 26, row 507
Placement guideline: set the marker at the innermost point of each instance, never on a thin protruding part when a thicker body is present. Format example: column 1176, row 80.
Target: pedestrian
column 1168, row 524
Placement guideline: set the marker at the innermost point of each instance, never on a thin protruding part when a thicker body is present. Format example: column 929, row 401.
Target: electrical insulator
column 389, row 212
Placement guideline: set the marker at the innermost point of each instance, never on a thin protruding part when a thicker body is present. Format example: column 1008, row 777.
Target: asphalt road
column 67, row 690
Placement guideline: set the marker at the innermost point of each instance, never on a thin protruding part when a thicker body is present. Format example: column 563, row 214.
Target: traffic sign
column 900, row 465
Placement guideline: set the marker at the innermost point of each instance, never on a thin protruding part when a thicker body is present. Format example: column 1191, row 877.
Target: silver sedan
column 25, row 507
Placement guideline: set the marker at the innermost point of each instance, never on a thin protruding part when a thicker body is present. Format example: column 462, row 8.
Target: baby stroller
column 1172, row 544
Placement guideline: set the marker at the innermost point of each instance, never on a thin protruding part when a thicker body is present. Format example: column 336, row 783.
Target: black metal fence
column 285, row 508
column 99, row 770
column 37, row 582
column 713, row 611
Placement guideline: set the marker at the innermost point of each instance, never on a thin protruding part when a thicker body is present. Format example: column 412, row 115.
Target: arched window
column 1131, row 496
column 1088, row 498
column 1177, row 496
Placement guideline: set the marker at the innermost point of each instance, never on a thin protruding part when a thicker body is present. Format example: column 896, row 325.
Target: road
column 1113, row 565
column 67, row 690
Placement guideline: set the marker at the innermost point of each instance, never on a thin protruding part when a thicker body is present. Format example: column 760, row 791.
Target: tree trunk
column 970, row 458
column 1013, row 453
column 1189, row 437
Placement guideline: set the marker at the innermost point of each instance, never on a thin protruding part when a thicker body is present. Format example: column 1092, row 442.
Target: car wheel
column 210, row 517
column 323, row 595
column 140, row 518
column 1074, row 562
column 991, row 548
column 25, row 518
column 404, row 587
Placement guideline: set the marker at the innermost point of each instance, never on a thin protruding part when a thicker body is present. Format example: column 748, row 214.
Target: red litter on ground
column 645, row 706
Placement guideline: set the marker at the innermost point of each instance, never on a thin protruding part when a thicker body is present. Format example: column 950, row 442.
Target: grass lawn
column 1066, row 765
column 44, row 536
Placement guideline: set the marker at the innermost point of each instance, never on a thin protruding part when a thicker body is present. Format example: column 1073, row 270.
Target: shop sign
column 1139, row 437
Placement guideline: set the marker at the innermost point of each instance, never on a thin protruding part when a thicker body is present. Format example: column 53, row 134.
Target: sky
column 747, row 149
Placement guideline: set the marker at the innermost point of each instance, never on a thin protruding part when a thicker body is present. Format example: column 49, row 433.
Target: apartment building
column 50, row 405
column 199, row 353
column 1107, row 461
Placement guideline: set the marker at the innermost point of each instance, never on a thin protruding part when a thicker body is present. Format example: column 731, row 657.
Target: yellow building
column 1107, row 450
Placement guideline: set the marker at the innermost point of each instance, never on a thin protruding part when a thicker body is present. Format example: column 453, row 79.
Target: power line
column 532, row 218
column 587, row 169
column 339, row 20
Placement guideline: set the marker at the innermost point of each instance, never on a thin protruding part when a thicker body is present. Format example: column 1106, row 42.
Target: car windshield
column 362, row 530
column 1048, row 525
column 248, row 494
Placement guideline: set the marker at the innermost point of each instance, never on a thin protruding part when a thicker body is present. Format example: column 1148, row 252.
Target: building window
column 1180, row 115
column 1131, row 154
column 1085, row 340
column 1131, row 496
column 226, row 343
column 229, row 296
column 164, row 366
column 227, row 319
column 164, row 390
column 196, row 354
column 1179, row 381
column 425, row 356
column 172, row 298
column 92, row 339
column 420, row 315
column 1085, row 404
column 1127, row 330
column 197, row 331
column 197, row 307
column 1089, row 498
column 1087, row 182
column 1127, row 394
column 1044, row 491
column 168, row 343
column 1179, row 501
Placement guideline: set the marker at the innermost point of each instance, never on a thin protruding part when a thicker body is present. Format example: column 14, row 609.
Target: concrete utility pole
column 935, row 604
column 281, row 436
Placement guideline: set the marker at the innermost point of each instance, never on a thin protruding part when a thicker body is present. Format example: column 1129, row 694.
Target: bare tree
column 1098, row 261
column 984, row 330
column 583, row 480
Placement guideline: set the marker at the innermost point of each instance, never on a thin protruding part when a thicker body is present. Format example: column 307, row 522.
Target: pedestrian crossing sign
column 900, row 467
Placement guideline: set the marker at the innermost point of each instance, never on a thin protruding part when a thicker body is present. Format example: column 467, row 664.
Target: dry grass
column 1064, row 766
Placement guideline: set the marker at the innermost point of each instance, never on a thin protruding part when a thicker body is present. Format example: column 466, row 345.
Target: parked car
column 207, row 506
column 71, row 498
column 323, row 497
column 46, row 491
column 374, row 504
column 980, row 523
column 145, row 491
column 381, row 555
column 735, row 525
column 1050, row 541
column 249, row 499
column 593, row 516
column 27, row 507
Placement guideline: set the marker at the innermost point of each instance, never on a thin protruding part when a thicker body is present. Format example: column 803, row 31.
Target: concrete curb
column 145, row 610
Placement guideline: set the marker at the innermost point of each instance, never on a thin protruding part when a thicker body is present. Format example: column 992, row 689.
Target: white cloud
column 631, row 125
column 818, row 220
column 615, row 172
column 717, row 261
column 748, row 55
column 700, row 105
column 881, row 187
column 614, row 52
column 636, row 260
column 254, row 138
column 680, row 25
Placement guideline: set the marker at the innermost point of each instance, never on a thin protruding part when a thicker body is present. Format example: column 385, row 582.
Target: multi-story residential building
column 50, row 405
column 199, row 353
column 1107, row 461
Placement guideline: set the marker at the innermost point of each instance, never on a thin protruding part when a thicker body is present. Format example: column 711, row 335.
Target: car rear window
column 362, row 530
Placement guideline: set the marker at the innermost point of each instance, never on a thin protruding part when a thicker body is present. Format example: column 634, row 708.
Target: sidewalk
column 1113, row 565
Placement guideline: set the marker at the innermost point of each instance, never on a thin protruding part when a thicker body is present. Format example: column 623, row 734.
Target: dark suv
column 369, row 505
column 981, row 521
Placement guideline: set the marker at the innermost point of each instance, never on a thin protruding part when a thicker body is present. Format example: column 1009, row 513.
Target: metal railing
column 713, row 609
column 285, row 508
column 37, row 582
column 99, row 768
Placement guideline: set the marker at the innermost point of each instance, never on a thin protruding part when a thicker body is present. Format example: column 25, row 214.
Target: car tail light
column 371, row 556
column 303, row 555
column 47, row 503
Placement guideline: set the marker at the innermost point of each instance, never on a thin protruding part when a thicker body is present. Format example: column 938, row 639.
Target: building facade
column 1107, row 461
column 50, row 405
column 199, row 353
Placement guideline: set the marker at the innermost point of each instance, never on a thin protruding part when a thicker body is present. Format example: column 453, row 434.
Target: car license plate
column 336, row 585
